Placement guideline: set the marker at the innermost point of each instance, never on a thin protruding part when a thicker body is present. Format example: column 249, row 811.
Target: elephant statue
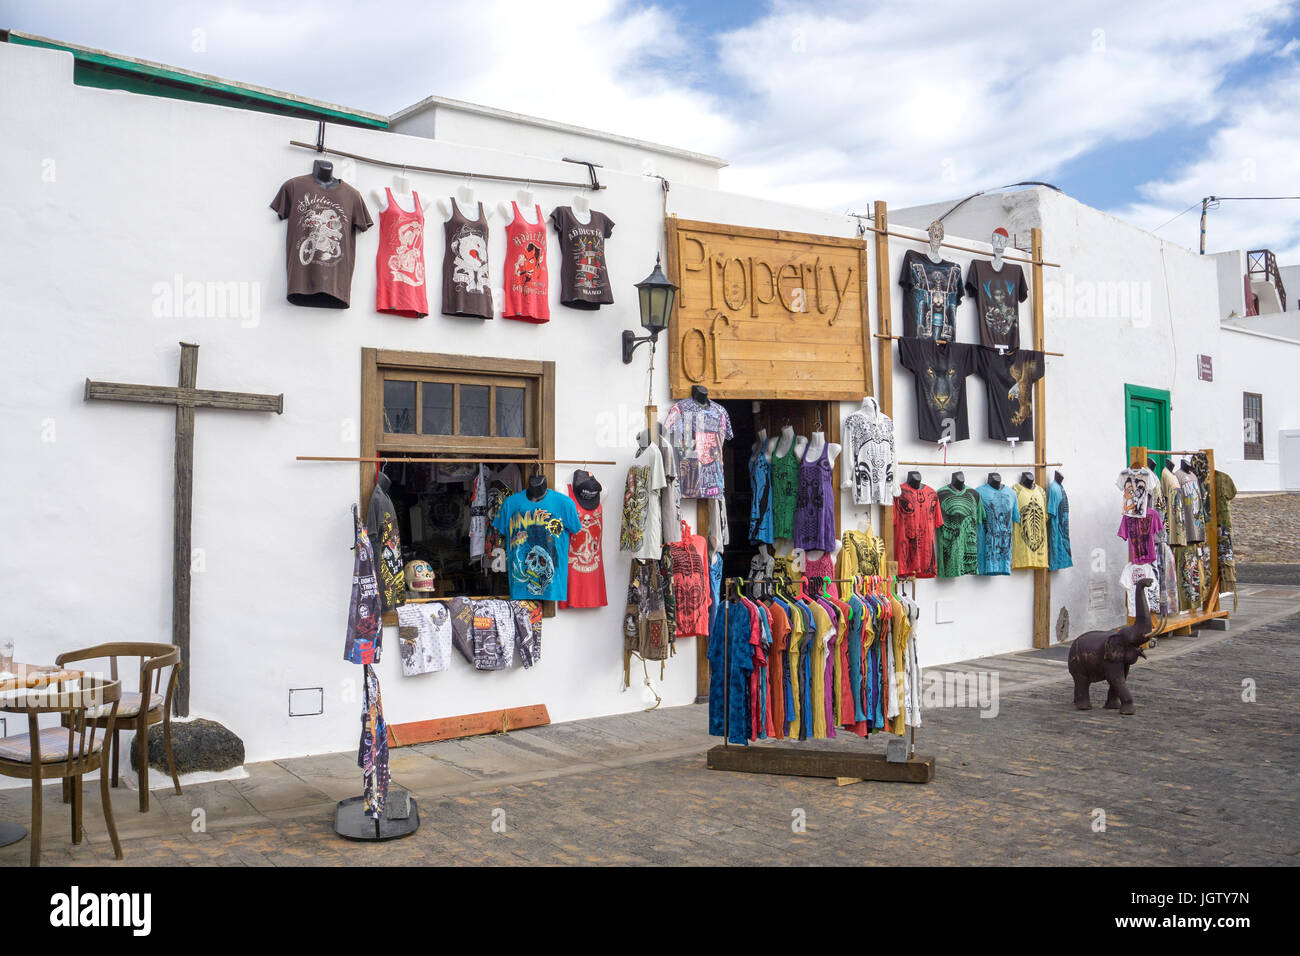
column 1107, row 655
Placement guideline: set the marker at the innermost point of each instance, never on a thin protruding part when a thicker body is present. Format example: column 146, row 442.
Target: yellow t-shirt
column 901, row 629
column 1029, row 536
column 796, row 641
column 821, row 638
column 863, row 553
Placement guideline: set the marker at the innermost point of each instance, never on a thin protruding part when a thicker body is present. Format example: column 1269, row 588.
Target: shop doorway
column 1146, row 419
column 748, row 418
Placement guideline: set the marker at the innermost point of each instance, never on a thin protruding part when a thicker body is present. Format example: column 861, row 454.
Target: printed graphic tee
column 386, row 545
column 958, row 537
column 997, row 294
column 1175, row 524
column 916, row 517
column 466, row 288
column 1058, row 528
column 1193, row 515
column 1001, row 513
column 584, row 275
column 939, row 373
column 1137, row 484
column 399, row 264
column 697, row 432
column 321, row 245
column 869, row 438
column 1029, row 538
column 1128, row 579
column 537, row 544
column 931, row 294
column 586, row 558
column 642, row 526
column 1141, row 534
column 1009, row 382
column 363, row 643
column 527, row 275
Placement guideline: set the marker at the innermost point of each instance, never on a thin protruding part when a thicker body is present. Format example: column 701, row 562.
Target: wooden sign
column 762, row 313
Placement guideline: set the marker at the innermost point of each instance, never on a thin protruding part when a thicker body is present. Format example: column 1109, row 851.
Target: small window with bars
column 1252, row 425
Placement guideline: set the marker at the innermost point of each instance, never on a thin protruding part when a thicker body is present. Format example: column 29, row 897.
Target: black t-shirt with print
column 997, row 294
column 1009, row 379
column 940, row 374
column 931, row 293
column 584, row 274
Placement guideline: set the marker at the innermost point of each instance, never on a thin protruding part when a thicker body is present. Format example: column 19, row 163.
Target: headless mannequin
column 1169, row 464
column 402, row 194
column 1060, row 478
column 700, row 394
column 762, row 440
column 642, row 440
column 1027, row 479
column 1184, row 467
column 995, row 480
column 780, row 445
column 581, row 207
column 323, row 172
column 958, row 480
column 587, row 489
column 526, row 202
column 536, row 487
column 914, row 479
column 935, row 232
column 813, row 448
column 467, row 202
column 870, row 408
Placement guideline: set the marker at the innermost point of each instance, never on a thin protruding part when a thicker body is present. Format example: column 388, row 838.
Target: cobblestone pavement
column 1198, row 776
column 1266, row 529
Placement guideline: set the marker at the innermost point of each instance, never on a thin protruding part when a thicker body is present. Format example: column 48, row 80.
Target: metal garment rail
column 464, row 461
column 983, row 464
column 877, row 335
column 925, row 241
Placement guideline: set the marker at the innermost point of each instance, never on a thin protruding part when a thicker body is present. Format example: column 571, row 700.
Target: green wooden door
column 1146, row 414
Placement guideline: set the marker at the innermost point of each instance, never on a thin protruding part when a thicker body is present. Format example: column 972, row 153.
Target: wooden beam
column 467, row 725
column 820, row 762
column 884, row 351
column 183, row 511
column 1042, row 577
column 189, row 397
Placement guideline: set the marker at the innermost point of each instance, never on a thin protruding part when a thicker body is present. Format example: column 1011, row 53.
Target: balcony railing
column 1262, row 263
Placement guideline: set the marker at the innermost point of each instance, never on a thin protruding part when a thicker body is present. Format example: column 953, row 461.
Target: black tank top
column 466, row 288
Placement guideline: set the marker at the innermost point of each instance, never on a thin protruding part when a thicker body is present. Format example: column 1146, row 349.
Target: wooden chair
column 68, row 752
column 136, row 712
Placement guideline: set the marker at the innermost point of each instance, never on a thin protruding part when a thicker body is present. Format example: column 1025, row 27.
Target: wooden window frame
column 380, row 365
column 1252, row 451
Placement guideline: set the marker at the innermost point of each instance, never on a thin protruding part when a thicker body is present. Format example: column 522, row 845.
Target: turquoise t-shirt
column 1001, row 510
column 537, row 544
column 1058, row 528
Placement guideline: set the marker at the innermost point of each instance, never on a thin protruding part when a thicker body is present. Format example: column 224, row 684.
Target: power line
column 1179, row 216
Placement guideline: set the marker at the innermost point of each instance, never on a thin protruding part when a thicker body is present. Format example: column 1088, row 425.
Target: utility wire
column 1179, row 216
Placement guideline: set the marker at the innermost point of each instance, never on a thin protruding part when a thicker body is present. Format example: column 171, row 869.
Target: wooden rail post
column 1042, row 577
column 884, row 349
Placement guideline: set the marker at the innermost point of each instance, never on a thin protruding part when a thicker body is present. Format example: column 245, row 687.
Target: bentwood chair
column 68, row 752
column 138, row 711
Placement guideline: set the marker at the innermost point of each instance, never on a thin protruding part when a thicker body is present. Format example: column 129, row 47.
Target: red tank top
column 586, row 559
column 399, row 264
column 527, row 286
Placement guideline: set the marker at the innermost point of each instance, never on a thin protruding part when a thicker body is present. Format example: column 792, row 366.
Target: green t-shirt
column 958, row 536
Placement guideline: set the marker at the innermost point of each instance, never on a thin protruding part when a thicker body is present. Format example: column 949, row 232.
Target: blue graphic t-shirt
column 1001, row 511
column 537, row 544
column 1058, row 528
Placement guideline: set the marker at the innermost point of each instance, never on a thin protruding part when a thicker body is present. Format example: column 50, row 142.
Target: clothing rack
column 465, row 461
column 925, row 241
column 983, row 464
column 878, row 335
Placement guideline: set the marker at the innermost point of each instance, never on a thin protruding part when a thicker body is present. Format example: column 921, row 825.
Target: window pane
column 399, row 408
column 436, row 399
column 510, row 412
column 474, row 405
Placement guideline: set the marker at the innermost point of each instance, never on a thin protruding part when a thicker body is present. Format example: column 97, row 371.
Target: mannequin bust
column 468, row 203
column 999, row 243
column 817, row 555
column 404, row 196
column 914, row 479
column 581, row 207
column 1169, row 464
column 323, row 172
column 995, row 480
column 642, row 440
column 536, row 487
column 1184, row 467
column 1027, row 479
column 526, row 202
column 958, row 480
column 935, row 232
column 781, row 444
column 813, row 448
column 767, row 446
column 1060, row 478
column 587, row 488
column 700, row 394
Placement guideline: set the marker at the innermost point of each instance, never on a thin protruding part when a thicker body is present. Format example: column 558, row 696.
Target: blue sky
column 1137, row 109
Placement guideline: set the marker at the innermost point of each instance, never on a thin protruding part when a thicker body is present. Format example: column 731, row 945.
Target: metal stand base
column 815, row 762
column 351, row 822
column 11, row 833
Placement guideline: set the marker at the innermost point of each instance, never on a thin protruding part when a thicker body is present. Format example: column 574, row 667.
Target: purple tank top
column 814, row 510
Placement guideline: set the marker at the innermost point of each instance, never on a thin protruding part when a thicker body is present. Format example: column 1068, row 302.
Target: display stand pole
column 1042, row 577
column 884, row 348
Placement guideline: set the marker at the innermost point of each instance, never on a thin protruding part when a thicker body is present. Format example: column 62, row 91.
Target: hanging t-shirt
column 1029, row 539
column 641, row 532
column 537, row 536
column 501, row 485
column 697, row 432
column 321, row 246
column 386, row 544
column 584, row 275
column 1140, row 533
column 916, row 516
column 997, row 294
column 1009, row 380
column 527, row 278
column 1058, row 528
column 1137, row 484
column 1128, row 579
column 1193, row 504
column 939, row 373
column 586, row 557
column 466, row 288
column 760, row 487
column 399, row 264
column 691, row 583
column 963, row 515
column 424, row 636
column 1172, row 495
column 931, row 293
column 869, row 440
column 363, row 643
column 1001, row 513
column 670, row 499
column 785, row 489
column 478, row 497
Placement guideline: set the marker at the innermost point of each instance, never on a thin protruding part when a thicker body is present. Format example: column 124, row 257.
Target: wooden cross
column 186, row 397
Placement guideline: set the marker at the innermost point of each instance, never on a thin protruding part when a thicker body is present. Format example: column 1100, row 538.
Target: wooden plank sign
column 468, row 725
column 764, row 313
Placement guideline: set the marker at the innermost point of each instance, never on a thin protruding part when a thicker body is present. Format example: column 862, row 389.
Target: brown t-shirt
column 997, row 294
column 321, row 245
column 584, row 275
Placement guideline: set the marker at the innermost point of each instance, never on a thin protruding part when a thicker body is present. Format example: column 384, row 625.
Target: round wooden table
column 30, row 675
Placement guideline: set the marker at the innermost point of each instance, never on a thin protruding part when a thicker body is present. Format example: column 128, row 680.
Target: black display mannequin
column 587, row 488
column 1060, row 478
column 914, row 479
column 700, row 394
column 959, row 480
column 1027, row 479
column 1169, row 464
column 1184, row 467
column 995, row 480
column 536, row 487
column 323, row 172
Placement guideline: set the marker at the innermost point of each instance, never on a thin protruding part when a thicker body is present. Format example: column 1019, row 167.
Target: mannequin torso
column 526, row 202
column 815, row 444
